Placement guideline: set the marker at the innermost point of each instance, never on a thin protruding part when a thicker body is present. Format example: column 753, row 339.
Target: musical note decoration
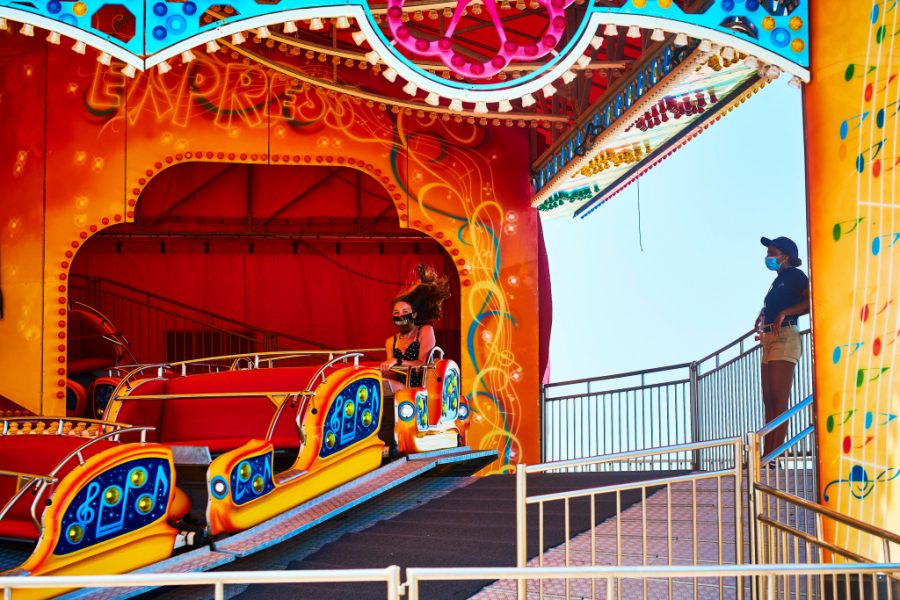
column 839, row 229
column 860, row 484
column 836, row 355
column 864, row 376
column 883, row 418
column 876, row 242
column 117, row 501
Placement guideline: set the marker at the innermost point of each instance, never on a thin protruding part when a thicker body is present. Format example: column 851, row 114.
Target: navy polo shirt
column 786, row 291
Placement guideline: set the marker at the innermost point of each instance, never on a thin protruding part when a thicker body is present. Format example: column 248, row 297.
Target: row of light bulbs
column 768, row 72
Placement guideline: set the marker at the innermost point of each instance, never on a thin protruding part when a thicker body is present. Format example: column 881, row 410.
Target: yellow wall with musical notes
column 854, row 219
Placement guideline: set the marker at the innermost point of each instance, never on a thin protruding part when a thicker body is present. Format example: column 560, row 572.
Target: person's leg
column 781, row 378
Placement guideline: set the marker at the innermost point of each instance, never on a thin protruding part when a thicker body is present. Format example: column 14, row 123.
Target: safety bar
column 77, row 452
column 292, row 398
column 321, row 371
column 41, row 482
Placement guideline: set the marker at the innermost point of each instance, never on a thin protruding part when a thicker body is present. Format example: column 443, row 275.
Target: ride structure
column 177, row 125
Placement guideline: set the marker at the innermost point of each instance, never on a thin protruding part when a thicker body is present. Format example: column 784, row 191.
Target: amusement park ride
column 249, row 158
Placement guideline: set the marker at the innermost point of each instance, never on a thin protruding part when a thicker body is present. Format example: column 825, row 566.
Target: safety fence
column 838, row 581
column 715, row 397
column 681, row 518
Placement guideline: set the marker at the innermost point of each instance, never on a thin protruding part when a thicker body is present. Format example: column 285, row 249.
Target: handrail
column 41, row 482
column 90, row 442
column 617, row 376
column 336, row 359
column 830, row 513
column 785, row 416
column 622, row 487
column 581, row 462
column 205, row 313
column 390, row 576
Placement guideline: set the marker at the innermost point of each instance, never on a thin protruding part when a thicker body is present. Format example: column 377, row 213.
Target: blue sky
column 700, row 279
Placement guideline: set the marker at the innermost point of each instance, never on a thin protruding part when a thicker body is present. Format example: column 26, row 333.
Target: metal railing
column 165, row 330
column 715, row 397
column 644, row 532
column 789, row 523
column 585, row 582
column 607, row 582
column 390, row 576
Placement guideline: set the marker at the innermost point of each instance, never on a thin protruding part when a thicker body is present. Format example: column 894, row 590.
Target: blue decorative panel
column 252, row 478
column 119, row 500
column 353, row 416
column 422, row 410
column 450, row 392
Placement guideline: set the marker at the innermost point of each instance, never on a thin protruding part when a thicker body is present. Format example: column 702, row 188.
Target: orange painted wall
column 854, row 220
column 107, row 136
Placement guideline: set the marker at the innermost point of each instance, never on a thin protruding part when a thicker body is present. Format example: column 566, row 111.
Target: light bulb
column 610, row 29
column 481, row 108
column 390, row 74
column 289, row 27
column 633, row 32
column 53, row 38
column 658, row 35
column 3, row 24
column 237, row 39
column 705, row 46
column 568, row 77
column 548, row 90
column 316, row 24
column 372, row 57
column 104, row 58
column 410, row 88
column 187, row 56
column 596, row 42
column 505, row 106
column 432, row 99
column 681, row 40
column 342, row 23
column 27, row 30
column 212, row 47
column 163, row 68
column 358, row 37
column 79, row 47
column 584, row 61
column 795, row 82
column 728, row 53
column 456, row 105
column 129, row 71
column 528, row 100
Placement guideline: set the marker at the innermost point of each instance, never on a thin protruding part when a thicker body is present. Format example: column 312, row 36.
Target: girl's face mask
column 404, row 322
column 772, row 263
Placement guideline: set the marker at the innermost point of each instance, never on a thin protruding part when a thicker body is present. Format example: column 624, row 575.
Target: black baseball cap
column 786, row 245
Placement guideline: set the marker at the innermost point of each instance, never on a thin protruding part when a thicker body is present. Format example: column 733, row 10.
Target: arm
column 801, row 308
column 390, row 361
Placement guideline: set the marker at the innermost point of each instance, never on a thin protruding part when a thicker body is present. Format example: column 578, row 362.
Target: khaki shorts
column 785, row 346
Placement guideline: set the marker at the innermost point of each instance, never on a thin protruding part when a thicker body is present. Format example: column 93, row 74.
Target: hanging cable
column 640, row 234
